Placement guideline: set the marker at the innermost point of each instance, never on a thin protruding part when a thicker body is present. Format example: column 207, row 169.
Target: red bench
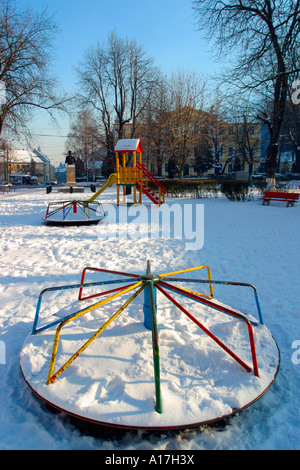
column 289, row 198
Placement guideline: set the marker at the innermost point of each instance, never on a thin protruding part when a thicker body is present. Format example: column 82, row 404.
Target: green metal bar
column 155, row 347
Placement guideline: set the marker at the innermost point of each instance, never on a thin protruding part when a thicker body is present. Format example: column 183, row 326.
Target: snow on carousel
column 179, row 359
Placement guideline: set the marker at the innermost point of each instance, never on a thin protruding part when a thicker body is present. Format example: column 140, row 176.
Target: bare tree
column 265, row 35
column 291, row 124
column 84, row 138
column 5, row 160
column 25, row 54
column 117, row 79
column 152, row 129
column 182, row 119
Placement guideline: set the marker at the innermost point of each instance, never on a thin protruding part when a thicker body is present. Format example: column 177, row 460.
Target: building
column 48, row 169
column 214, row 146
column 26, row 163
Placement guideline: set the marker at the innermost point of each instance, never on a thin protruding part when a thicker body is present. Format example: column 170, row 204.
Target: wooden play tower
column 131, row 173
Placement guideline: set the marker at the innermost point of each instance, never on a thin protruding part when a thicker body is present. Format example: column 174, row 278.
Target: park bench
column 7, row 188
column 289, row 198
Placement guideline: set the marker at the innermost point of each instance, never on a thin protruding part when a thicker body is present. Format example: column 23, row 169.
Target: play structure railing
column 128, row 175
column 161, row 189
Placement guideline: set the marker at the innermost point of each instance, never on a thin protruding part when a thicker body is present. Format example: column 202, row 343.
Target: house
column 24, row 162
column 48, row 169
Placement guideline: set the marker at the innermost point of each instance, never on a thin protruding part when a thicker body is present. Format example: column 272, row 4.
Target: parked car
column 53, row 181
column 259, row 176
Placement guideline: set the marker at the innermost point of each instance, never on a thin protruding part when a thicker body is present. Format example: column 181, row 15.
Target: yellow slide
column 111, row 180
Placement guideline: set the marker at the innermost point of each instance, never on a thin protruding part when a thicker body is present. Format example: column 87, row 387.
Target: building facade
column 34, row 163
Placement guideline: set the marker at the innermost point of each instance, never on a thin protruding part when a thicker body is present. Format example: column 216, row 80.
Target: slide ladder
column 162, row 191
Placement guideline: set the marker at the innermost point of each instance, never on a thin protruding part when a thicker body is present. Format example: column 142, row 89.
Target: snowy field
column 243, row 241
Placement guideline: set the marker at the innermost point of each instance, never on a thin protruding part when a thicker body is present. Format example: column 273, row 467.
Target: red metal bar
column 225, row 310
column 212, row 304
column 152, row 178
column 57, row 210
column 74, row 207
column 203, row 300
column 100, row 270
column 211, row 335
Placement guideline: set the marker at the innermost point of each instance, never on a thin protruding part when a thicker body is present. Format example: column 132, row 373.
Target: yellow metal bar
column 117, row 162
column 113, row 178
column 193, row 269
column 52, row 378
column 77, row 315
column 88, row 208
column 196, row 293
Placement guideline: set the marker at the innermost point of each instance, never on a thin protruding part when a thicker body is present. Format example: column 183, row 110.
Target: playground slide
column 111, row 180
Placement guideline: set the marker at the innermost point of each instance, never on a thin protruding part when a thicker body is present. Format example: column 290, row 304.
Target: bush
column 194, row 188
column 236, row 190
column 260, row 185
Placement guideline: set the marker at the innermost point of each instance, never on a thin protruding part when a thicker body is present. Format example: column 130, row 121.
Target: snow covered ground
column 243, row 241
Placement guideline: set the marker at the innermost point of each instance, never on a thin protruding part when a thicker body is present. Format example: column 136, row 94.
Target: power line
column 51, row 135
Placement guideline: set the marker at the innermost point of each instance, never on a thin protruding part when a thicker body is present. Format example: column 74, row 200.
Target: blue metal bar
column 67, row 287
column 229, row 283
column 65, row 213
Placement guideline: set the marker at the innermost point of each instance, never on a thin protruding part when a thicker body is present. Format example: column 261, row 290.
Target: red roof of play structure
column 129, row 145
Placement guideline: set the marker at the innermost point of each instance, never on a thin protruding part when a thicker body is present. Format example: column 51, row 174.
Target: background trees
column 25, row 54
column 182, row 119
column 172, row 120
column 116, row 79
column 265, row 35
column 85, row 138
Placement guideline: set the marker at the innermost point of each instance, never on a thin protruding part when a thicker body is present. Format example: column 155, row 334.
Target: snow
column 128, row 145
column 243, row 241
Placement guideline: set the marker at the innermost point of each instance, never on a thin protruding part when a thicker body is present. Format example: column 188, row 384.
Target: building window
column 230, row 151
column 166, row 168
column 230, row 130
column 152, row 168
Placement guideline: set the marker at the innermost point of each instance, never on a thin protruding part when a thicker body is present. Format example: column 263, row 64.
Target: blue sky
column 166, row 29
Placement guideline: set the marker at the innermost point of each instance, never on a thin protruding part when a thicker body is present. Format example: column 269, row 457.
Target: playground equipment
column 129, row 175
column 74, row 213
column 135, row 176
column 198, row 380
